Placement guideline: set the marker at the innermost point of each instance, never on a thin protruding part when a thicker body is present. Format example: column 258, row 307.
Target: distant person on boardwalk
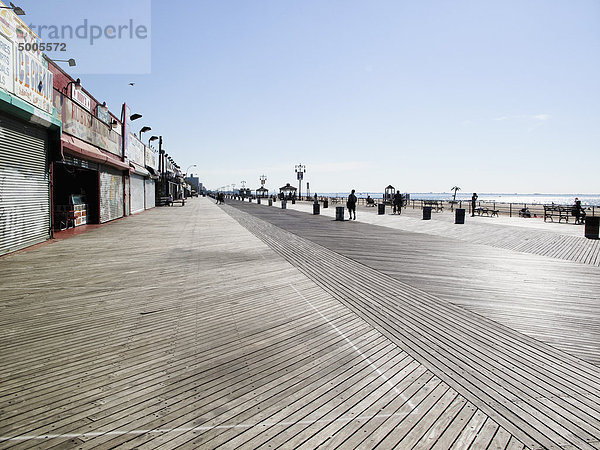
column 578, row 211
column 397, row 203
column 351, row 204
column 170, row 200
column 473, row 203
column 370, row 201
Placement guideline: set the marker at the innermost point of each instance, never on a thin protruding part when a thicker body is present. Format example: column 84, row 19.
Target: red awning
column 76, row 147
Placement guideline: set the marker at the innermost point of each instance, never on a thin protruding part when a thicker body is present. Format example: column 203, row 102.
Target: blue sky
column 492, row 96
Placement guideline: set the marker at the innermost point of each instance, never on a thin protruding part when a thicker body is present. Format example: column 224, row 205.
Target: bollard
column 258, row 200
column 325, row 203
column 460, row 216
column 592, row 225
column 381, row 208
column 339, row 213
column 283, row 204
column 426, row 212
column 316, row 209
column 270, row 202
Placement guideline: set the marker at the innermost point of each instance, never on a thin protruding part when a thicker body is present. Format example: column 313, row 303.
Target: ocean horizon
column 529, row 199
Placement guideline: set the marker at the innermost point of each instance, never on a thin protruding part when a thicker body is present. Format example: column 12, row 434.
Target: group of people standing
column 352, row 200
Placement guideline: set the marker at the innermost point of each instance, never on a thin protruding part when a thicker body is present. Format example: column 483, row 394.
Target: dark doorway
column 75, row 184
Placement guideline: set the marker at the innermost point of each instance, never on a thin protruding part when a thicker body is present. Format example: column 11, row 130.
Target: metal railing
column 505, row 209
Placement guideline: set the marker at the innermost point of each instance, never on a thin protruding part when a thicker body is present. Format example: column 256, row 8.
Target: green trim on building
column 23, row 110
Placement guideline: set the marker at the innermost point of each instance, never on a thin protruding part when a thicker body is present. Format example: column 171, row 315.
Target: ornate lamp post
column 300, row 171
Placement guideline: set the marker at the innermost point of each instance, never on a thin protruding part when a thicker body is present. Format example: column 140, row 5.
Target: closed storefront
column 136, row 188
column 29, row 132
column 150, row 193
column 111, row 194
column 24, row 184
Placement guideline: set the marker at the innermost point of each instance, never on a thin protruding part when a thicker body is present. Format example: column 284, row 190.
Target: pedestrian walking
column 397, row 203
column 351, row 204
column 578, row 212
column 473, row 203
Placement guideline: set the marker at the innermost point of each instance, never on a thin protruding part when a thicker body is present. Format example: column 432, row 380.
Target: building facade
column 29, row 133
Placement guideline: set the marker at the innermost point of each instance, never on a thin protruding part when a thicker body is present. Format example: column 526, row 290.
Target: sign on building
column 30, row 78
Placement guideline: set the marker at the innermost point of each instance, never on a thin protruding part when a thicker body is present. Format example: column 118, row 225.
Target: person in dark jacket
column 473, row 203
column 397, row 203
column 351, row 204
column 578, row 211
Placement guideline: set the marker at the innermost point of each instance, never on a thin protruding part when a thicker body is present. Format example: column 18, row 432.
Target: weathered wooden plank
column 212, row 339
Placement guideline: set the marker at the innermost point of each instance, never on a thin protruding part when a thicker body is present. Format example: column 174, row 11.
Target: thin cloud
column 542, row 117
column 538, row 117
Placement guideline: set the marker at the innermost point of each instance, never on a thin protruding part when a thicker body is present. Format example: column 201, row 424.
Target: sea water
column 528, row 199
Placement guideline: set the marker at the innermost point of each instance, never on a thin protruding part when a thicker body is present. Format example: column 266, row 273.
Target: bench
column 486, row 211
column 436, row 205
column 164, row 201
column 370, row 202
column 562, row 212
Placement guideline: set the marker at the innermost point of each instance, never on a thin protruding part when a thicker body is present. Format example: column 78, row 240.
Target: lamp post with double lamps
column 300, row 171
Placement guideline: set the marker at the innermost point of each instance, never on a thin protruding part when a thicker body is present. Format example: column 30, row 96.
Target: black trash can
column 339, row 213
column 591, row 227
column 381, row 209
column 325, row 203
column 426, row 212
column 270, row 202
column 283, row 204
column 316, row 209
column 460, row 216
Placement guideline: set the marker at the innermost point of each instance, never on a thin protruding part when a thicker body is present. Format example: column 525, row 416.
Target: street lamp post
column 143, row 130
column 300, row 171
column 187, row 171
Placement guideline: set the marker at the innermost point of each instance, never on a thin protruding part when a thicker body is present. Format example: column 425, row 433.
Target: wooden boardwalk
column 555, row 240
column 551, row 299
column 181, row 328
column 521, row 382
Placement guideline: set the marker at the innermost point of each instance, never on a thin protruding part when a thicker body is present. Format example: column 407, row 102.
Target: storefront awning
column 76, row 147
column 152, row 171
column 138, row 170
